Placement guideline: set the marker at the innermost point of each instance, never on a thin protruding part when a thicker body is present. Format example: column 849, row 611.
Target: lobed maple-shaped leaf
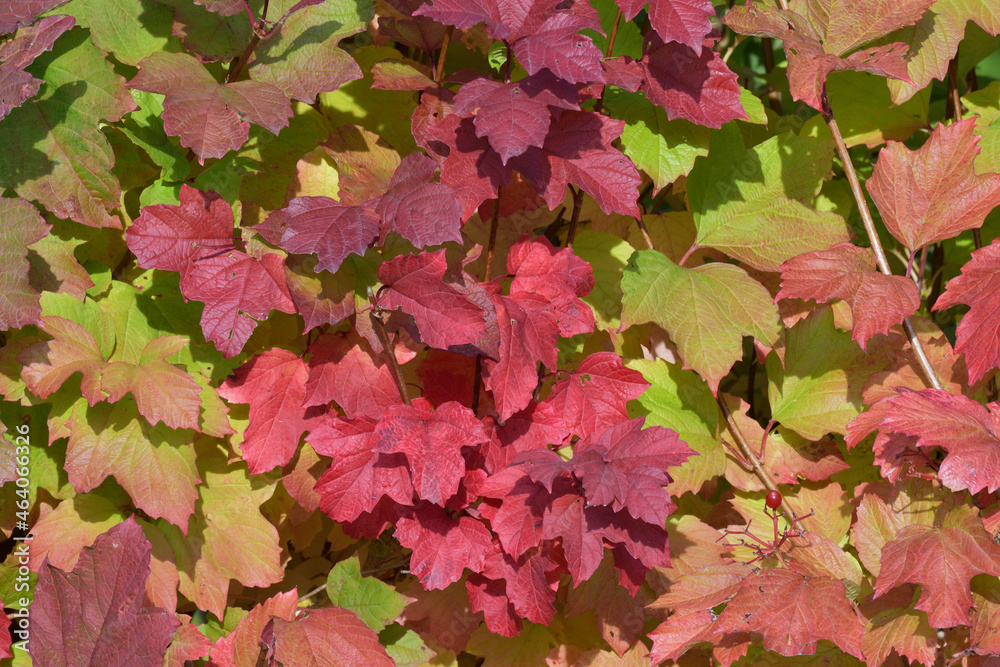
column 444, row 312
column 792, row 612
column 510, row 590
column 820, row 39
column 578, row 150
column 684, row 21
column 329, row 637
column 20, row 226
column 98, row 611
column 595, row 396
column 344, row 369
column 358, row 476
column 374, row 601
column 443, row 546
column 895, row 625
column 933, row 193
column 274, row 384
column 691, row 83
column 558, row 46
column 942, row 559
column 208, row 117
column 418, row 209
column 706, row 310
column 978, row 332
column 964, row 428
column 432, row 441
column 510, row 22
column 326, row 228
column 845, row 271
column 514, row 116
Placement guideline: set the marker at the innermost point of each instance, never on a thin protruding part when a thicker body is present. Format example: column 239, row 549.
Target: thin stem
column 442, row 54
column 607, row 54
column 645, row 233
column 977, row 238
column 690, row 251
column 937, row 273
column 880, row 258
column 923, row 267
column 577, row 205
column 751, row 384
column 510, row 56
column 660, row 197
column 773, row 96
column 383, row 337
column 751, row 458
column 954, row 108
column 237, row 65
column 477, row 378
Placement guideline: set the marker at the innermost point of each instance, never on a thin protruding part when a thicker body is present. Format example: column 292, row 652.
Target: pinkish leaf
column 326, row 228
column 418, row 209
column 443, row 546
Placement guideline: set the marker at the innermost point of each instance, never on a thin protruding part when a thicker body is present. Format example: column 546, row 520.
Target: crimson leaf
column 421, row 211
column 326, row 228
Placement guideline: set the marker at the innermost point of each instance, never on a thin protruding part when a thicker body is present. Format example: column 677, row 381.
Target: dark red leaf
column 30, row 42
column 623, row 72
column 16, row 87
column 326, row 228
column 514, row 116
column 579, row 525
column 99, row 609
column 344, row 369
column 418, row 209
column 490, row 597
column 683, row 21
column 14, row 13
column 20, row 225
column 558, row 47
column 578, row 150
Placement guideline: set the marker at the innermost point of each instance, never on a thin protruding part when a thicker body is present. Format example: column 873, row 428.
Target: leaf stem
column 607, row 54
column 443, row 54
column 477, row 378
column 954, row 108
column 750, row 457
column 375, row 314
column 577, row 205
column 880, row 258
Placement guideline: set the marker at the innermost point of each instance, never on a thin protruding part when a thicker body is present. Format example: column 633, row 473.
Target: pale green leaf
column 374, row 601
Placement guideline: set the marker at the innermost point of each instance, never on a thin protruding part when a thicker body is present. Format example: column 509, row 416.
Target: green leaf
column 865, row 113
column 664, row 149
column 817, row 389
column 607, row 255
column 497, row 55
column 375, row 602
column 680, row 400
column 145, row 127
column 628, row 41
column 706, row 310
column 752, row 203
column 53, row 149
column 148, row 26
column 405, row 646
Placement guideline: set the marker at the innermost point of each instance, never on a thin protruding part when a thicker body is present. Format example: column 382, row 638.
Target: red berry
column 773, row 500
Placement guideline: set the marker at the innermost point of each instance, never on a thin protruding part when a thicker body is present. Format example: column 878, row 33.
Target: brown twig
column 378, row 325
column 880, row 258
column 477, row 378
column 577, row 205
column 442, row 54
column 754, row 462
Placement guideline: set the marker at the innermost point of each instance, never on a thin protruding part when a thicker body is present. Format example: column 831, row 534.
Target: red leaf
column 508, row 21
column 330, row 637
column 421, row 211
column 518, row 521
column 358, row 476
column 242, row 645
column 595, row 396
column 445, row 314
column 432, row 442
column 343, row 369
column 933, row 193
column 943, row 560
column 207, row 116
column 490, row 597
column 963, row 427
column 683, row 21
column 16, row 13
column 326, row 228
column 443, row 546
column 792, row 612
column 845, row 271
column 529, row 583
column 514, row 116
column 558, row 47
column 195, row 238
column 979, row 331
column 16, row 53
column 691, row 83
column 578, row 150
column 274, row 384
column 579, row 525
column 16, row 87
column 98, row 610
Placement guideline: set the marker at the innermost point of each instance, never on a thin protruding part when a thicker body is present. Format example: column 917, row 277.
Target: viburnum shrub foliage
column 463, row 332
